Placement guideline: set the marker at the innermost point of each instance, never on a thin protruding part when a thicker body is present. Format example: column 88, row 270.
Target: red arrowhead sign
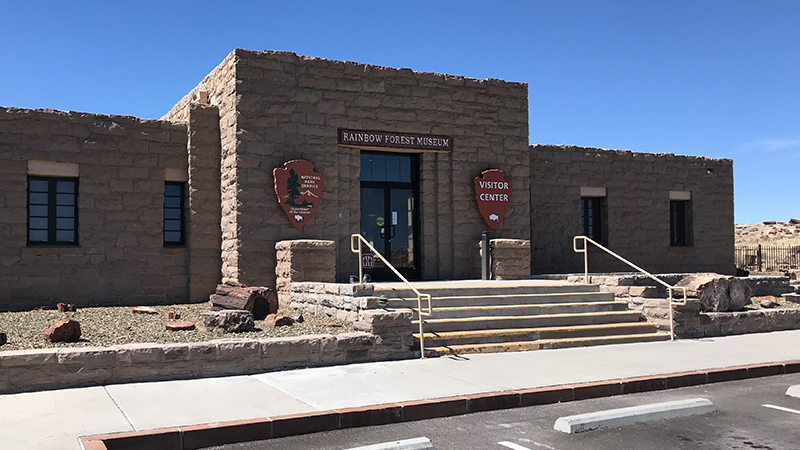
column 299, row 190
column 493, row 193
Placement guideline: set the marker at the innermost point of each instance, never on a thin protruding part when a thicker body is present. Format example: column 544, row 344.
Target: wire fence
column 760, row 258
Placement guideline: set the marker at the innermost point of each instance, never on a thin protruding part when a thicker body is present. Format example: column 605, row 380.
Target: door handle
column 383, row 232
column 393, row 229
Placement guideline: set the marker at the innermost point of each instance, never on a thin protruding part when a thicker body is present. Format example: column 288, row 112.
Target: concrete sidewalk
column 56, row 419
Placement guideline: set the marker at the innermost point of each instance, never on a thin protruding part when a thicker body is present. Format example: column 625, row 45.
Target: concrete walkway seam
column 624, row 416
column 221, row 433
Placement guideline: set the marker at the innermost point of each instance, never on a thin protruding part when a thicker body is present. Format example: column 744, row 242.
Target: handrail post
column 429, row 312
column 485, row 270
column 670, row 300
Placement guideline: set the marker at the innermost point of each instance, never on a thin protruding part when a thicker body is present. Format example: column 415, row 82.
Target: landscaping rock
column 717, row 293
column 3, row 338
column 143, row 310
column 767, row 303
column 275, row 320
column 180, row 325
column 296, row 317
column 174, row 316
column 66, row 307
column 228, row 321
column 65, row 330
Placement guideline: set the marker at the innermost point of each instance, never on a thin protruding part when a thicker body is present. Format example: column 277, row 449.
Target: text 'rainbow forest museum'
column 274, row 155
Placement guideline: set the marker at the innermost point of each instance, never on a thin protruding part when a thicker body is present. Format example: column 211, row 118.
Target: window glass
column 67, row 187
column 172, row 190
column 366, row 168
column 38, row 199
column 38, row 223
column 65, row 211
column 65, row 199
column 65, row 236
column 378, row 167
column 38, row 185
column 37, row 235
column 52, row 211
column 37, row 211
column 405, row 169
column 392, row 168
column 174, row 225
column 172, row 202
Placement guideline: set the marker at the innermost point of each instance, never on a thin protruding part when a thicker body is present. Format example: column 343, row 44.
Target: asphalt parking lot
column 740, row 422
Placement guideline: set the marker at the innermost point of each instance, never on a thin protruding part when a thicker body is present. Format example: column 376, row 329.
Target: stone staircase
column 496, row 318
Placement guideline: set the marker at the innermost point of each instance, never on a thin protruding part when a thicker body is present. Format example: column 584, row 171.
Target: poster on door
column 493, row 193
column 299, row 190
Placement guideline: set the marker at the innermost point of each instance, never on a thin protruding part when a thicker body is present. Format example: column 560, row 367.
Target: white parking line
column 781, row 408
column 513, row 446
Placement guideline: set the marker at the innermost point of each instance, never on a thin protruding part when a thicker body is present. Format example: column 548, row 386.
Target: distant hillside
column 769, row 232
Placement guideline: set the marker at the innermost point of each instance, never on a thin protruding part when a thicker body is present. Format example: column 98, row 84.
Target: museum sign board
column 395, row 140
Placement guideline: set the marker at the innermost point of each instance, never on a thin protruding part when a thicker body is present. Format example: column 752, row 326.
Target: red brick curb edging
column 220, row 433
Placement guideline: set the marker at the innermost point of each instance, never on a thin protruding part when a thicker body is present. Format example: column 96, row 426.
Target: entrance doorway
column 389, row 214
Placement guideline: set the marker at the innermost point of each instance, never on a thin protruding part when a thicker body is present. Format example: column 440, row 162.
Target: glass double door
column 389, row 213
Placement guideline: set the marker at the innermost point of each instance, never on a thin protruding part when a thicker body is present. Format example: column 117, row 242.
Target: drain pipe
column 485, row 268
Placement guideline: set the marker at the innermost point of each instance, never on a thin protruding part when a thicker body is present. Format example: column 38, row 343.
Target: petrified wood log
column 259, row 300
column 717, row 293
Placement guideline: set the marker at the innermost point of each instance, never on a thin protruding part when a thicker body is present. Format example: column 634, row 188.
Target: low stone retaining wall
column 356, row 303
column 691, row 323
column 636, row 284
column 28, row 370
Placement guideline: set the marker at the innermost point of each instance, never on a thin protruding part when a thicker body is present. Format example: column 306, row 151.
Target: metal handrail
column 659, row 281
column 420, row 295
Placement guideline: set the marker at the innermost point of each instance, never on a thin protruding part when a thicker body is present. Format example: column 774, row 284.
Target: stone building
column 117, row 210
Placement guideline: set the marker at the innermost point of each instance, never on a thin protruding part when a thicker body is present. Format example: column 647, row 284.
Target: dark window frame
column 592, row 225
column 52, row 216
column 680, row 219
column 182, row 241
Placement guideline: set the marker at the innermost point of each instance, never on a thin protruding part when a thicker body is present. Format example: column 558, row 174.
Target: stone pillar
column 303, row 260
column 510, row 259
column 204, row 232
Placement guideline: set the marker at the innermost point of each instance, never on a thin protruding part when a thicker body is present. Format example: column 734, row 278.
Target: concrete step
column 535, row 321
column 545, row 344
column 479, row 290
column 505, row 299
column 534, row 334
column 527, row 310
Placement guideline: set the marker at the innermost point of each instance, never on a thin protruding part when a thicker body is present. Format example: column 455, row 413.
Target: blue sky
column 711, row 78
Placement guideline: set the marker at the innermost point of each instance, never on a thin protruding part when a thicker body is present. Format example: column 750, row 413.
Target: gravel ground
column 106, row 326
column 755, row 303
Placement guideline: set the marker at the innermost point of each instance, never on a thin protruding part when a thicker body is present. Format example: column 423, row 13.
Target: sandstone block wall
column 122, row 163
column 204, row 237
column 303, row 260
column 121, row 257
column 277, row 106
column 220, row 85
column 510, row 259
column 637, row 204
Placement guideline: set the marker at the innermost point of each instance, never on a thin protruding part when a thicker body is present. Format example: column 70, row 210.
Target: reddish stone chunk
column 180, row 325
column 275, row 320
column 65, row 330
column 143, row 310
